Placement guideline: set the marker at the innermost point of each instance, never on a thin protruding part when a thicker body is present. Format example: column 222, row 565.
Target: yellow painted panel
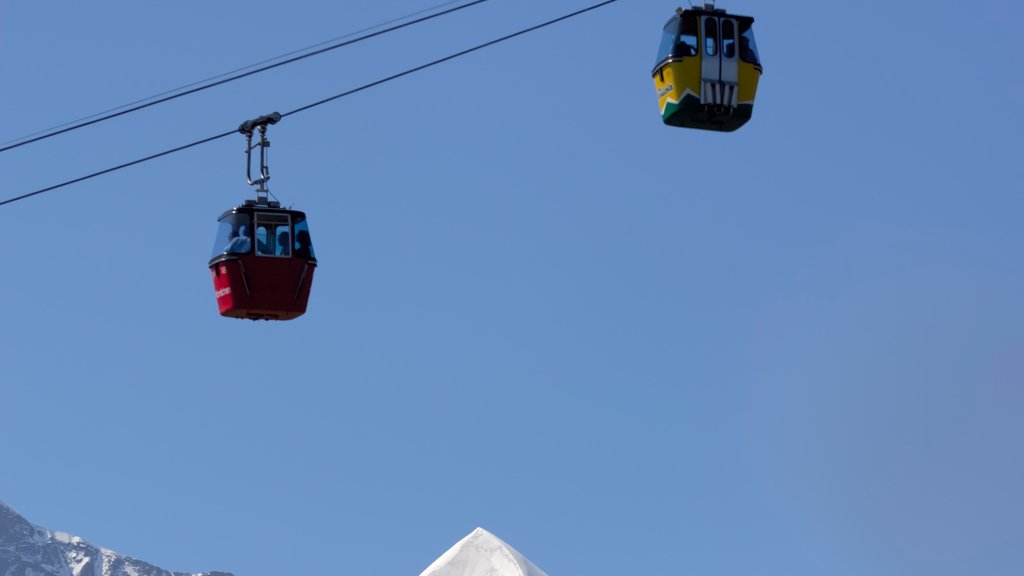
column 748, row 82
column 679, row 78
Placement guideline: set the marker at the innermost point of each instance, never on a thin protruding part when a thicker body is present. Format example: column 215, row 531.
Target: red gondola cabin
column 262, row 262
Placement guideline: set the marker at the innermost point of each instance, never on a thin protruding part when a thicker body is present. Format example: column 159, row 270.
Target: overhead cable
column 317, row 103
column 206, row 86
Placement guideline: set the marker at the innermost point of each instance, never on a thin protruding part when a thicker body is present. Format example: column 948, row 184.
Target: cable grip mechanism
column 248, row 128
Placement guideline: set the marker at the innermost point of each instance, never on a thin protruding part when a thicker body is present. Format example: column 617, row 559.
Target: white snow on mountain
column 29, row 550
column 481, row 554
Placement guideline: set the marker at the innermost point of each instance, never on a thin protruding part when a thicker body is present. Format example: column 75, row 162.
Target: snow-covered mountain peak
column 482, row 554
column 66, row 538
column 29, row 550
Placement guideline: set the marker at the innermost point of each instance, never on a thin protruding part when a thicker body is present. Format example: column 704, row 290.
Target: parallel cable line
column 207, row 86
column 450, row 57
column 230, row 72
column 119, row 167
column 317, row 103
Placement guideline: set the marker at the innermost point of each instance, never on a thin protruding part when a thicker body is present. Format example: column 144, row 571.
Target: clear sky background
column 624, row 348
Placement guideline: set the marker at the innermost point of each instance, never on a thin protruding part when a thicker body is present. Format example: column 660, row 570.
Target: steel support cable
column 450, row 57
column 119, row 167
column 317, row 103
column 230, row 72
column 175, row 96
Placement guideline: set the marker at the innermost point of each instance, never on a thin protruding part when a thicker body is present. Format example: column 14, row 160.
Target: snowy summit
column 482, row 554
column 29, row 550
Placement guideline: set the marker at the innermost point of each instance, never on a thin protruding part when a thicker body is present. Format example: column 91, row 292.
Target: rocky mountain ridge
column 30, row 550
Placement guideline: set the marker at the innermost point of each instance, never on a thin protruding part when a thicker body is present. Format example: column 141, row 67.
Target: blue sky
column 621, row 347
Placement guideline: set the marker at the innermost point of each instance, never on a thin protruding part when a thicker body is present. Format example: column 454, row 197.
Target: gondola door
column 710, row 61
column 729, row 61
column 720, row 76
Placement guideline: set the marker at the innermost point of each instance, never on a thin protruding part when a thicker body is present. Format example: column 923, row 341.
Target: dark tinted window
column 748, row 48
column 686, row 42
column 711, row 36
column 679, row 39
column 234, row 235
column 303, row 243
column 271, row 229
column 668, row 40
column 728, row 39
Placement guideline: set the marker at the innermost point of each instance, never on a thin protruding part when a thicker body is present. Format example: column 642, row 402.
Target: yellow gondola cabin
column 707, row 69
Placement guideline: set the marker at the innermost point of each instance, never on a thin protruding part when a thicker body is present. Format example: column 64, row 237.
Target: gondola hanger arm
column 247, row 128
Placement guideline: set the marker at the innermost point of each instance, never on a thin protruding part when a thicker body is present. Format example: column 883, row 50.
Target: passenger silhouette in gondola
column 746, row 53
column 303, row 245
column 263, row 241
column 238, row 241
column 283, row 249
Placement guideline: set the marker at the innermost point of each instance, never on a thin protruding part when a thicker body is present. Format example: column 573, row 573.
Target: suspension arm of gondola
column 263, row 144
column 247, row 128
